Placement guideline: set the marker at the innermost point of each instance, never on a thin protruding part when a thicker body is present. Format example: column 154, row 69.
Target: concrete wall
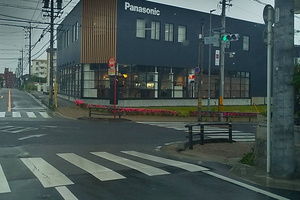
column 261, row 148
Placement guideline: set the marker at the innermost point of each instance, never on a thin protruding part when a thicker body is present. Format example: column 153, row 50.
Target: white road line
column 4, row 187
column 31, row 115
column 66, row 193
column 46, row 173
column 174, row 163
column 249, row 187
column 98, row 171
column 22, row 129
column 16, row 114
column 146, row 169
column 45, row 115
column 2, row 114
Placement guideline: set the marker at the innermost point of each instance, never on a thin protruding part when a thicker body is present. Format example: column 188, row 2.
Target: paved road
column 56, row 158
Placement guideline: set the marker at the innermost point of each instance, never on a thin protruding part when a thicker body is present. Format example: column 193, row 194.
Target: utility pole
column 50, row 11
column 222, row 55
column 200, row 73
column 282, row 134
column 29, row 56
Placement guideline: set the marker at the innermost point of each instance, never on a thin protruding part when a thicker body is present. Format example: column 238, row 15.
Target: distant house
column 7, row 79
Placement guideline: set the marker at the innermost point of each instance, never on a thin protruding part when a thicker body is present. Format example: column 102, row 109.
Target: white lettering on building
column 149, row 11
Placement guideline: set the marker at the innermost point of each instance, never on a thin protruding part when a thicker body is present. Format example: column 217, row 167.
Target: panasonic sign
column 148, row 11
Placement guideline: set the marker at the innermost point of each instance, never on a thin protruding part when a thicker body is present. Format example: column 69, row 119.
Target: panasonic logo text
column 140, row 9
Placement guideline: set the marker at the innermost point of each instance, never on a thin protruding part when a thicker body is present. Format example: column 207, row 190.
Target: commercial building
column 157, row 48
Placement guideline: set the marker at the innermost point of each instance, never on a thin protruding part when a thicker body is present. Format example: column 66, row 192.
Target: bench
column 202, row 132
column 105, row 111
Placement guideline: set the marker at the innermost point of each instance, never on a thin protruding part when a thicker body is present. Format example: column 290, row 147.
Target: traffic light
column 191, row 79
column 230, row 37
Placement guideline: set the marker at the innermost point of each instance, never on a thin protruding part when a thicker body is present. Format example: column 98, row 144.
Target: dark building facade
column 157, row 48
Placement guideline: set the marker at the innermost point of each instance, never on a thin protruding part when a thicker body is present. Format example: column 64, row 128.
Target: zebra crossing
column 51, row 176
column 24, row 114
column 210, row 131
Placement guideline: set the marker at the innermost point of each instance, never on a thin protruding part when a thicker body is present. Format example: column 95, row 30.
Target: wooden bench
column 105, row 111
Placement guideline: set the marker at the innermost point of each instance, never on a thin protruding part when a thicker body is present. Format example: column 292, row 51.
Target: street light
column 209, row 63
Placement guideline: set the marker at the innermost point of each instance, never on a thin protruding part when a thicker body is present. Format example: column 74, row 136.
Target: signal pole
column 222, row 55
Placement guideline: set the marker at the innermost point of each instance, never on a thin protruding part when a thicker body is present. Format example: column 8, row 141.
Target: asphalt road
column 56, row 158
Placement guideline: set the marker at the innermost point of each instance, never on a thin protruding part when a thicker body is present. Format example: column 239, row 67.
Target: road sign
column 111, row 62
column 211, row 40
column 217, row 58
column 197, row 69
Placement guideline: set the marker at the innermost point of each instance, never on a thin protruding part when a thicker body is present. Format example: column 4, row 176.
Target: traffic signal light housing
column 230, row 37
column 191, row 79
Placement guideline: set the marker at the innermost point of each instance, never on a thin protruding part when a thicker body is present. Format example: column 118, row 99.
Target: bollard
column 202, row 134
column 230, row 133
column 190, row 137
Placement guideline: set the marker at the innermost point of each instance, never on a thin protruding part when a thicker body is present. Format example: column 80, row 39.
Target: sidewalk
column 226, row 153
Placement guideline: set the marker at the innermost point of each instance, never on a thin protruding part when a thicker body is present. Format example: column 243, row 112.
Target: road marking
column 100, row 172
column 66, row 193
column 45, row 115
column 249, row 187
column 4, row 187
column 16, row 114
column 146, row 169
column 31, row 115
column 32, row 136
column 46, row 173
column 174, row 163
column 2, row 114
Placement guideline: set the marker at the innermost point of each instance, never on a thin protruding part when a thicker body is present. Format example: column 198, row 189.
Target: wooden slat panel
column 99, row 20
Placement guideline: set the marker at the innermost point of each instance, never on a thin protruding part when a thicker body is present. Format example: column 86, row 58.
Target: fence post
column 201, row 134
column 90, row 112
column 190, row 137
column 230, row 132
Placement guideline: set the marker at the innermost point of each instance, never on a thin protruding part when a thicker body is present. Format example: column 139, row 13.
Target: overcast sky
column 13, row 39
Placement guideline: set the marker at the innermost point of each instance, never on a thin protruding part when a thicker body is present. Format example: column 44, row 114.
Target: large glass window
column 140, row 28
column 155, row 30
column 246, row 43
column 169, row 32
column 181, row 33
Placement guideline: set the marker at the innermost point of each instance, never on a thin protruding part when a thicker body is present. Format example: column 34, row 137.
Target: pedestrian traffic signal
column 191, row 79
column 230, row 37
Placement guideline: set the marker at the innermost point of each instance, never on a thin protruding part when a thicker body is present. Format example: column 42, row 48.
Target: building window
column 75, row 32
column 181, row 33
column 169, row 32
column 140, row 28
column 67, row 37
column 246, row 43
column 155, row 30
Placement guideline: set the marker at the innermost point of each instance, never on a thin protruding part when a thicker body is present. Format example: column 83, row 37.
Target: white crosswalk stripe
column 237, row 136
column 98, row 171
column 23, row 114
column 46, row 173
column 146, row 169
column 4, row 187
column 50, row 177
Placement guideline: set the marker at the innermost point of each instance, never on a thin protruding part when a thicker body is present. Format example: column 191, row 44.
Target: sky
column 15, row 15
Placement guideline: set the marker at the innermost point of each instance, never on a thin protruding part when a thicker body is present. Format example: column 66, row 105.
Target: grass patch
column 248, row 158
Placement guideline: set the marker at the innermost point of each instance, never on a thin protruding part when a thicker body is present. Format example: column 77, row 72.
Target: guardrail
column 202, row 132
column 105, row 111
